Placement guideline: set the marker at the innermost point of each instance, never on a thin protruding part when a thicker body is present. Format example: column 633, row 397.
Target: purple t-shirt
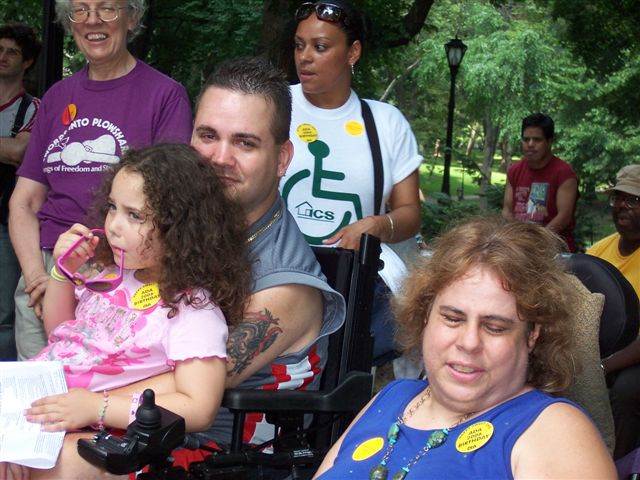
column 84, row 126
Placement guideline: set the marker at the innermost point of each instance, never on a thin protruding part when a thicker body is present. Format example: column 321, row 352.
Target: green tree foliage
column 27, row 11
column 514, row 65
column 190, row 37
column 519, row 61
column 599, row 144
column 440, row 213
column 606, row 35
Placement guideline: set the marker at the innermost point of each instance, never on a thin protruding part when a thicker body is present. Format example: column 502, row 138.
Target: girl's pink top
column 125, row 335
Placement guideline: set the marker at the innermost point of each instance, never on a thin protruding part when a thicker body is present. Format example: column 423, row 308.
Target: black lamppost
column 51, row 57
column 455, row 52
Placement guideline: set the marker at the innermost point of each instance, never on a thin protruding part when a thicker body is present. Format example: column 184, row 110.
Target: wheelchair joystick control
column 149, row 440
column 148, row 415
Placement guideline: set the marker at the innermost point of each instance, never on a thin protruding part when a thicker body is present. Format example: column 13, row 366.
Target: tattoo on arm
column 253, row 336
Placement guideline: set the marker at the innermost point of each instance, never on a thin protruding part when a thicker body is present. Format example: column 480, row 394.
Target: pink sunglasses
column 98, row 284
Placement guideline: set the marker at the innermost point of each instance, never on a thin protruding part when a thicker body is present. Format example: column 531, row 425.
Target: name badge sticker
column 368, row 449
column 474, row 437
column 354, row 128
column 146, row 296
column 307, row 132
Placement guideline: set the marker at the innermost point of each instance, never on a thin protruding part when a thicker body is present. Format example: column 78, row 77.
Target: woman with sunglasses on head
column 171, row 283
column 85, row 123
column 330, row 186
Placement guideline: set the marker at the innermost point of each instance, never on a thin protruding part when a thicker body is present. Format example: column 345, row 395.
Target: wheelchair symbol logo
column 320, row 151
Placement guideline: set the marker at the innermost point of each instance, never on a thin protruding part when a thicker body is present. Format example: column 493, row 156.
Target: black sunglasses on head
column 326, row 12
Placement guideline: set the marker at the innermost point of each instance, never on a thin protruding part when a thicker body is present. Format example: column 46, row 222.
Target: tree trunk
column 411, row 24
column 472, row 139
column 436, row 157
column 507, row 158
column 393, row 82
column 491, row 133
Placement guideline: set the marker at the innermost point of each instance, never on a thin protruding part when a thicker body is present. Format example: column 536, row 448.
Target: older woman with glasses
column 355, row 166
column 490, row 314
column 85, row 123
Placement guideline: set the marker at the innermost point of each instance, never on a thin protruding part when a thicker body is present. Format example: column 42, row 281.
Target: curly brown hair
column 523, row 256
column 202, row 231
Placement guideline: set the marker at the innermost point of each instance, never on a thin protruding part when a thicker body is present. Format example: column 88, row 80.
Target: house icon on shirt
column 304, row 210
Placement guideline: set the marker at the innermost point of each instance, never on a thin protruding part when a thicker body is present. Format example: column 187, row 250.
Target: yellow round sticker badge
column 474, row 436
column 354, row 128
column 368, row 449
column 307, row 132
column 146, row 296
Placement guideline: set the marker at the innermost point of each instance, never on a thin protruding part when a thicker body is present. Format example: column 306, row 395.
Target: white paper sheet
column 20, row 384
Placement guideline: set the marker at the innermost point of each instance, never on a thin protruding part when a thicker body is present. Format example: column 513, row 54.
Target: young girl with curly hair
column 185, row 277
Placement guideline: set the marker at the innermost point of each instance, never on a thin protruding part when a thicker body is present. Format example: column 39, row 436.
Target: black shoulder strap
column 374, row 144
column 22, row 111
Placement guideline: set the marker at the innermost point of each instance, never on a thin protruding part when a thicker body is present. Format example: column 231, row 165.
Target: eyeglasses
column 10, row 52
column 103, row 284
column 324, row 11
column 108, row 13
column 628, row 201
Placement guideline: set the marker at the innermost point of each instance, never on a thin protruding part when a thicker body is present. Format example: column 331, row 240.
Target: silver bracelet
column 391, row 225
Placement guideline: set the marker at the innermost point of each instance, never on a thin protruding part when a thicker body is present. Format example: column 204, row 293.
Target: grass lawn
column 432, row 182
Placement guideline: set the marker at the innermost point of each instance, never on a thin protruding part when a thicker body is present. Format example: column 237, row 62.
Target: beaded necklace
column 436, row 439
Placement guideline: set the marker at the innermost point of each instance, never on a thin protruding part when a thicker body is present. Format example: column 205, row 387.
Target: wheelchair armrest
column 350, row 395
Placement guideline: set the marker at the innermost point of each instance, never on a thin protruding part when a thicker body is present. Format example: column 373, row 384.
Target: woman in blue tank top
column 490, row 313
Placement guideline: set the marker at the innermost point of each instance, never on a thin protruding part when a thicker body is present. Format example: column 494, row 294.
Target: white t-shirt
column 330, row 182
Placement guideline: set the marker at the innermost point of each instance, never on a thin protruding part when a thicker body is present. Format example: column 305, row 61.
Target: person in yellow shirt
column 622, row 249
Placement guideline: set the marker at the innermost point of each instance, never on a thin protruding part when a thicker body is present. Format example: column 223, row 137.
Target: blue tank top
column 466, row 453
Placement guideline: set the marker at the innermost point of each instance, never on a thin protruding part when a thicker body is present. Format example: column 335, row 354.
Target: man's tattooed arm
column 253, row 336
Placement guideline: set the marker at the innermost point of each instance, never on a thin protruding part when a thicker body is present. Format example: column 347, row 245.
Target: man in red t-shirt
column 541, row 188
